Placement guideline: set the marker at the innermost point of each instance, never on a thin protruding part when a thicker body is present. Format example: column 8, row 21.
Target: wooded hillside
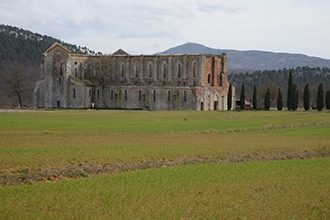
column 20, row 58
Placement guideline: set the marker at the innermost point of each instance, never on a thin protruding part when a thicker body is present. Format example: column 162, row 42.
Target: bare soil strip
column 32, row 176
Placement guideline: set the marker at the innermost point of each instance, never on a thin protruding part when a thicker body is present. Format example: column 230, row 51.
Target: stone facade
column 153, row 82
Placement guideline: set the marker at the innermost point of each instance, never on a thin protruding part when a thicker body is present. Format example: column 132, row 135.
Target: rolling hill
column 253, row 60
column 21, row 50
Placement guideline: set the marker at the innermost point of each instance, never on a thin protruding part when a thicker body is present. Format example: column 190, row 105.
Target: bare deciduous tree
column 15, row 82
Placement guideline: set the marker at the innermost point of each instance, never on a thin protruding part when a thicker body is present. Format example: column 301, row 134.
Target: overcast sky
column 150, row 26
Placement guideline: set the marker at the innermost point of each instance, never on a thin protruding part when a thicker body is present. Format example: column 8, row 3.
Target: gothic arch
column 221, row 79
column 164, row 69
column 122, row 69
column 136, row 69
column 194, row 69
column 150, row 69
column 179, row 69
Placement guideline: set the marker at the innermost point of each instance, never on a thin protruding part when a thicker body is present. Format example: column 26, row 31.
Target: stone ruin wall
column 155, row 82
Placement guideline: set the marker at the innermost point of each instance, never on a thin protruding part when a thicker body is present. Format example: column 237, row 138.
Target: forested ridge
column 20, row 58
column 275, row 79
column 23, row 45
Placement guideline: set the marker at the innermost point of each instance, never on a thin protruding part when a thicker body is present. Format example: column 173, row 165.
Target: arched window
column 221, row 79
column 179, row 66
column 184, row 96
column 209, row 78
column 60, row 70
column 194, row 69
column 122, row 70
column 150, row 70
column 164, row 69
column 140, row 95
column 136, row 69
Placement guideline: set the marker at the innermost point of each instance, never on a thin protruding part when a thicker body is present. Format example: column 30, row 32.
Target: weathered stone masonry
column 154, row 82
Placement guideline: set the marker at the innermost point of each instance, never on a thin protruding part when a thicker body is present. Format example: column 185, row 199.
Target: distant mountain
column 252, row 59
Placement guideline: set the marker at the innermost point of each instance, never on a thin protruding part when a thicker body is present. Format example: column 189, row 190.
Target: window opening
column 122, row 68
column 179, row 70
column 194, row 69
column 221, row 79
column 150, row 70
column 164, row 70
column 136, row 67
column 184, row 96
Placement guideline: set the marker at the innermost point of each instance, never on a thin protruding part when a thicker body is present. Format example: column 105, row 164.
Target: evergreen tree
column 320, row 98
column 267, row 100
column 229, row 97
column 254, row 97
column 279, row 100
column 242, row 98
column 327, row 99
column 289, row 96
column 294, row 97
column 307, row 97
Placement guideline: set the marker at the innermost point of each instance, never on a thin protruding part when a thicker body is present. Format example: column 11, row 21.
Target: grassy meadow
column 183, row 162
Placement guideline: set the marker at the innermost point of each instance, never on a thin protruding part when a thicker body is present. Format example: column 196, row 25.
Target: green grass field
column 181, row 163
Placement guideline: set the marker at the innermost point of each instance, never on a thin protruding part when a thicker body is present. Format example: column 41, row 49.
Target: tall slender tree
column 289, row 94
column 267, row 100
column 230, row 97
column 279, row 100
column 320, row 98
column 242, row 98
column 307, row 97
column 327, row 99
column 254, row 98
column 294, row 97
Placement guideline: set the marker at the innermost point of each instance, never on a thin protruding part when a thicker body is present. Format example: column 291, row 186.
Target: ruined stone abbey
column 123, row 81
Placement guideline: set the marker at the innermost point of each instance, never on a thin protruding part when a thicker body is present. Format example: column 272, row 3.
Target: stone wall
column 154, row 82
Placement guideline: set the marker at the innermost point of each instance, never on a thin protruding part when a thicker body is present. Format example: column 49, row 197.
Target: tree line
column 292, row 101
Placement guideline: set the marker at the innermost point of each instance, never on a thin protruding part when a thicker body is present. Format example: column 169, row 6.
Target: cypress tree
column 242, row 98
column 307, row 97
column 320, row 98
column 327, row 99
column 289, row 95
column 294, row 97
column 254, row 98
column 267, row 100
column 279, row 100
column 229, row 97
